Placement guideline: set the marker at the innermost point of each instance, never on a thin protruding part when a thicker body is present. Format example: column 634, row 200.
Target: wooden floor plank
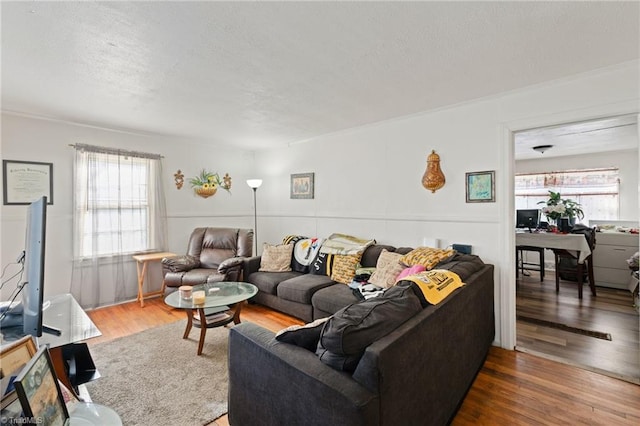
column 512, row 388
column 611, row 311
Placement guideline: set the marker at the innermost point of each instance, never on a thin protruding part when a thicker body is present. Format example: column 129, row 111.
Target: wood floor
column 512, row 388
column 611, row 311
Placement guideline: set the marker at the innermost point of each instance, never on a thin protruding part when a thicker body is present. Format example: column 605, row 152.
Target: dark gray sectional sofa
column 418, row 374
column 306, row 296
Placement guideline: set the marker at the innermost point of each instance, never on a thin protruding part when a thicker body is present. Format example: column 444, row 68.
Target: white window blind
column 597, row 190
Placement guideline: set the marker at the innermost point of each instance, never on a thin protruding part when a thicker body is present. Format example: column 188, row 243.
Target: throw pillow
column 426, row 256
column 344, row 267
column 412, row 270
column 387, row 269
column 306, row 336
column 276, row 258
column 349, row 331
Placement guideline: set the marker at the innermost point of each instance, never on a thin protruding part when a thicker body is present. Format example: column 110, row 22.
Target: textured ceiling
column 593, row 136
column 262, row 74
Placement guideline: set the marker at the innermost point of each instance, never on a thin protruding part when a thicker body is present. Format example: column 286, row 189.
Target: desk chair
column 521, row 265
column 567, row 266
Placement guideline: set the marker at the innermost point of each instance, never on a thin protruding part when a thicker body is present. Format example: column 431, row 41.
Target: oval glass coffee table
column 222, row 304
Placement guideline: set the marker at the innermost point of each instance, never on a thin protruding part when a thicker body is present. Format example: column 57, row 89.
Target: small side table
column 142, row 261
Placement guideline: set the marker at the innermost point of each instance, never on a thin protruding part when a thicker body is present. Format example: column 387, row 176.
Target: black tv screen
column 527, row 218
column 33, row 290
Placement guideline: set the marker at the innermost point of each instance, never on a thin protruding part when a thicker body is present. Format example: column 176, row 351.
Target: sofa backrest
column 372, row 253
column 437, row 353
column 214, row 245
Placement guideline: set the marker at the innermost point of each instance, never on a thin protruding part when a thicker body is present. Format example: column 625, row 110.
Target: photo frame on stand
column 13, row 358
column 39, row 392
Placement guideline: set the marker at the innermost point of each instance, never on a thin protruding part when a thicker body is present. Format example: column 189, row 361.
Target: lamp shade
column 254, row 183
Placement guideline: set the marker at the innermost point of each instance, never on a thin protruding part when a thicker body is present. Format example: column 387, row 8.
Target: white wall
column 367, row 179
column 31, row 139
column 625, row 161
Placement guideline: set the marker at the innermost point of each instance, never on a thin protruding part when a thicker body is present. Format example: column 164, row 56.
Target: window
column 117, row 201
column 597, row 190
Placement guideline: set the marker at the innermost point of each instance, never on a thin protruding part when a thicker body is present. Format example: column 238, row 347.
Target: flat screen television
column 527, row 218
column 33, row 286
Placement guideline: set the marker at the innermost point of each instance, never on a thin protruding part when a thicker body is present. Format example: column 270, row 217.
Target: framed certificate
column 26, row 181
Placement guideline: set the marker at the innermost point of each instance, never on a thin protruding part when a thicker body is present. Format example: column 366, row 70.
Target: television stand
column 51, row 330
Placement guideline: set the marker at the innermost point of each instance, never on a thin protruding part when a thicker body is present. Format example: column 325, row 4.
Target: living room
column 367, row 160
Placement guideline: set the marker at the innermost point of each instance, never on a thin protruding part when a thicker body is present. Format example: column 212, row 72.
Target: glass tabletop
column 216, row 294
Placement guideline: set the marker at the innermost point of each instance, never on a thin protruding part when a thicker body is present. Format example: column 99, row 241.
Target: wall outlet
column 430, row 242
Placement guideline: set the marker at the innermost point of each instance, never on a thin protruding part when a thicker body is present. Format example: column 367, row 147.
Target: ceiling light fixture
column 542, row 148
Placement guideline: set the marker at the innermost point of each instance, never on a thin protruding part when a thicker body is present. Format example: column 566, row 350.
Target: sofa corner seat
column 418, row 374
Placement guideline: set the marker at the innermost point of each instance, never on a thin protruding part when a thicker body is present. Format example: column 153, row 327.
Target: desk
column 570, row 242
column 142, row 261
column 576, row 243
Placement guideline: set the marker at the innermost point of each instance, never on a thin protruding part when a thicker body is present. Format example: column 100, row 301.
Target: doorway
column 596, row 333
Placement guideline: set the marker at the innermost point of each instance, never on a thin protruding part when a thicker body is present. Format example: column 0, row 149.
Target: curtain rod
column 117, row 151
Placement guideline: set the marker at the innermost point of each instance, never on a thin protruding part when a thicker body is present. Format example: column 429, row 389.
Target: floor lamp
column 255, row 184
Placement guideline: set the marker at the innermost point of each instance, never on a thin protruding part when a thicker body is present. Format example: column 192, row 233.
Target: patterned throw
column 344, row 244
column 436, row 284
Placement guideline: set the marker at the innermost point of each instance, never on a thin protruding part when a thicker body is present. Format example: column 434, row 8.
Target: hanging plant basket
column 206, row 192
column 207, row 183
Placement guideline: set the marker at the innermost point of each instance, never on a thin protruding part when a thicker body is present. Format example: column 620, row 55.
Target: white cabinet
column 609, row 258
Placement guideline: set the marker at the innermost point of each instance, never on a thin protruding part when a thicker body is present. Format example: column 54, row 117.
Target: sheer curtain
column 119, row 210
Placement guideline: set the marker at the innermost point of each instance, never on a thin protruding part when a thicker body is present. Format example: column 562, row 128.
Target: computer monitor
column 527, row 218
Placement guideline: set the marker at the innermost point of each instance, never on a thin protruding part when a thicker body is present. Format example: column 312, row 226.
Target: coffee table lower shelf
column 214, row 317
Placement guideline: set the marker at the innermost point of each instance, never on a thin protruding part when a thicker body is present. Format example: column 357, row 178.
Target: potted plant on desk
column 561, row 213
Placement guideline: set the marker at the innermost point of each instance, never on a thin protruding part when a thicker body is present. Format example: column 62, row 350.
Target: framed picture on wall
column 302, row 185
column 480, row 187
column 26, row 181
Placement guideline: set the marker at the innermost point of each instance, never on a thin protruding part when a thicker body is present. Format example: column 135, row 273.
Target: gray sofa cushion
column 464, row 265
column 349, row 331
column 267, row 282
column 300, row 289
column 332, row 299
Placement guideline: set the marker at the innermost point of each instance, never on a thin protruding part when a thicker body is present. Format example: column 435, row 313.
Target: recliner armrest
column 180, row 263
column 231, row 263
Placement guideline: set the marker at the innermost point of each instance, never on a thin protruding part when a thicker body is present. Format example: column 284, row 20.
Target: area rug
column 155, row 377
column 564, row 327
